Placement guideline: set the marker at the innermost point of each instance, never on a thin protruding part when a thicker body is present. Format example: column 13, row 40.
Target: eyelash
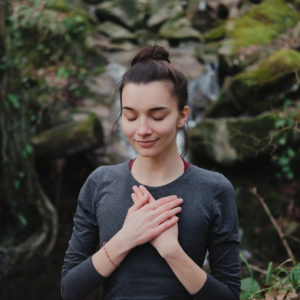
column 156, row 119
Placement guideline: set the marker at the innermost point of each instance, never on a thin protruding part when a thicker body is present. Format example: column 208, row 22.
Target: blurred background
column 60, row 62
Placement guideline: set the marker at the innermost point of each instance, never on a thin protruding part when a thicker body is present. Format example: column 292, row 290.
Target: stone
column 115, row 32
column 229, row 141
column 164, row 14
column 259, row 89
column 121, row 12
column 180, row 29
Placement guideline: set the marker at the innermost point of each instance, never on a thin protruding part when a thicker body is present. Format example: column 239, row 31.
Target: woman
column 157, row 215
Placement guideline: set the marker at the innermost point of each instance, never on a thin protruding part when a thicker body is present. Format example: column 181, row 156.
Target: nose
column 144, row 129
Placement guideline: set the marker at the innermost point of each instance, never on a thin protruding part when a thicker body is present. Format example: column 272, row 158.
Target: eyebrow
column 151, row 109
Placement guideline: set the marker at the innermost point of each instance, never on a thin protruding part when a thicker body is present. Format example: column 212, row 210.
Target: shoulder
column 209, row 177
column 210, row 180
column 108, row 173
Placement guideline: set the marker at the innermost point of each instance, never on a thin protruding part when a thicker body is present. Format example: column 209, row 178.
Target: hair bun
column 151, row 53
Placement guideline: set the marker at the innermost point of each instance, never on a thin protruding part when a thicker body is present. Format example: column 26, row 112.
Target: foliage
column 277, row 281
column 284, row 128
column 46, row 66
column 54, row 65
column 262, row 24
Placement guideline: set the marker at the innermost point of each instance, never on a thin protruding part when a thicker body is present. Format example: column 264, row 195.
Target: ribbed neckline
column 165, row 186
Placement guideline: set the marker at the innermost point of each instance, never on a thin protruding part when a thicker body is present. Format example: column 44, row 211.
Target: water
column 202, row 91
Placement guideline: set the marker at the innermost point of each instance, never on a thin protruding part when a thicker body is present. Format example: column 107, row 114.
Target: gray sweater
column 207, row 222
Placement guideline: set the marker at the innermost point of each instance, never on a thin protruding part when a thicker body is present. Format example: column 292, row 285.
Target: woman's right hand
column 145, row 221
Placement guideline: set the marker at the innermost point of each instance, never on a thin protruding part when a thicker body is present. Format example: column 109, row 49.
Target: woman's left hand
column 167, row 240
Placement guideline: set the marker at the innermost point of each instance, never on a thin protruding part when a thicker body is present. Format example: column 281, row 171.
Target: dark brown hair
column 153, row 64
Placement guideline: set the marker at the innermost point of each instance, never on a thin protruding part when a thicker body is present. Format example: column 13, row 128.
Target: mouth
column 146, row 144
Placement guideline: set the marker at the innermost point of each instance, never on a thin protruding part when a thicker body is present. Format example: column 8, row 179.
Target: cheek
column 168, row 128
column 127, row 128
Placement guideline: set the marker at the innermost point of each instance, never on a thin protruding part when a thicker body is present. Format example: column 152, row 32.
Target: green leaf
column 279, row 123
column 17, row 184
column 290, row 152
column 290, row 175
column 63, row 73
column 22, row 219
column 283, row 161
column 21, row 174
column 282, row 141
column 269, row 273
column 14, row 100
column 27, row 150
column 248, row 287
column 287, row 103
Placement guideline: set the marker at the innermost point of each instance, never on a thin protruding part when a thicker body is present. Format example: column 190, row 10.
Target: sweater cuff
column 213, row 289
column 81, row 280
column 205, row 291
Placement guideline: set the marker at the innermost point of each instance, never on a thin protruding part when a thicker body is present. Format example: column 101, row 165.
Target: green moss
column 263, row 24
column 250, row 137
column 215, row 34
column 279, row 64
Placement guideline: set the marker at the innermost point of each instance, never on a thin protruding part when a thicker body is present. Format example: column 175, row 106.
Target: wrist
column 172, row 252
column 123, row 242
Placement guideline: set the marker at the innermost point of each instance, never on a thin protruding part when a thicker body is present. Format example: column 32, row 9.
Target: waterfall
column 202, row 91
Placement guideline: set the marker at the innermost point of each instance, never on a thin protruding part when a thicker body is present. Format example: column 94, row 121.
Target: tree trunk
column 24, row 205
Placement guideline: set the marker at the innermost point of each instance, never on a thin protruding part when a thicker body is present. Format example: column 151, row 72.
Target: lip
column 146, row 144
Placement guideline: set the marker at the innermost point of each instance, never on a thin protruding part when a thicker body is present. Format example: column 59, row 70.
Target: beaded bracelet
column 109, row 258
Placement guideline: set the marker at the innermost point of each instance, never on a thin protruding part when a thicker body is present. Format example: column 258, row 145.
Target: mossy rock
column 180, row 29
column 70, row 138
column 215, row 34
column 115, row 32
column 122, row 12
column 261, row 89
column 262, row 24
column 230, row 141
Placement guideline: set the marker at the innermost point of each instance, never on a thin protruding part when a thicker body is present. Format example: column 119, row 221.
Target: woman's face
column 150, row 117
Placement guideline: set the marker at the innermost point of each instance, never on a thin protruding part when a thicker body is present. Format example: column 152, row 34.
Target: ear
column 183, row 116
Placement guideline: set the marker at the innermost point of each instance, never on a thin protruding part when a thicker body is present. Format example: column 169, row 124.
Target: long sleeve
column 224, row 280
column 78, row 276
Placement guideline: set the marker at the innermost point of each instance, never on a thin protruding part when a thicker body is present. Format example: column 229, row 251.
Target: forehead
column 148, row 95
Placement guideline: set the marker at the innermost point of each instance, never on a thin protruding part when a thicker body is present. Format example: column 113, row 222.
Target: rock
column 115, row 32
column 179, row 30
column 229, row 141
column 69, row 138
column 260, row 89
column 164, row 14
column 121, row 12
column 185, row 61
column 261, row 25
column 215, row 34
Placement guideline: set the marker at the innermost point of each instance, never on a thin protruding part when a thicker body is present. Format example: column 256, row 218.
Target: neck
column 158, row 170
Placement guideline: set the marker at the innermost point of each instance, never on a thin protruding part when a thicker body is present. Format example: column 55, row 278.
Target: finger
column 139, row 203
column 161, row 201
column 168, row 206
column 137, row 191
column 168, row 214
column 165, row 225
column 134, row 197
column 146, row 192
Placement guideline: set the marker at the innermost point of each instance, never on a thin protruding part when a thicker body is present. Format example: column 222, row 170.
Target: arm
column 84, row 269
column 224, row 282
column 78, row 276
column 223, row 248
